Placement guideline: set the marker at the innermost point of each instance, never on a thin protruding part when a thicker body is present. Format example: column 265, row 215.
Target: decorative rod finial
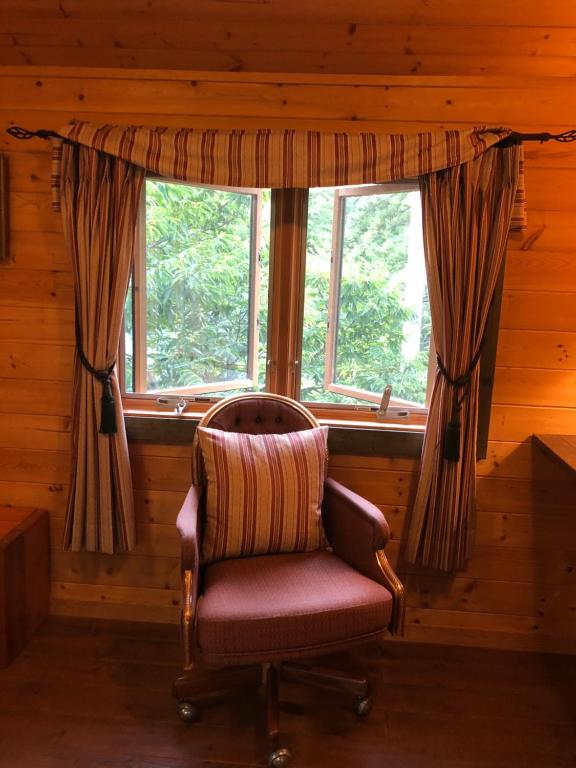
column 515, row 138
column 24, row 134
column 566, row 136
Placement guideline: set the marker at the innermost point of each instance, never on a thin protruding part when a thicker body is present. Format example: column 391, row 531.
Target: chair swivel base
column 188, row 692
column 331, row 680
column 279, row 758
column 319, row 677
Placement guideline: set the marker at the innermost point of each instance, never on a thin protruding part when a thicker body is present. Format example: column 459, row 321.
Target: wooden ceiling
column 424, row 37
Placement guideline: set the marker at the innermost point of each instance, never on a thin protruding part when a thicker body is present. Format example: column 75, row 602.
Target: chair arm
column 353, row 525
column 358, row 532
column 187, row 524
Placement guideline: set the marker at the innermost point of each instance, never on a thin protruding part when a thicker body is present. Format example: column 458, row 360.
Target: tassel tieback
column 108, row 405
column 104, row 376
column 451, row 447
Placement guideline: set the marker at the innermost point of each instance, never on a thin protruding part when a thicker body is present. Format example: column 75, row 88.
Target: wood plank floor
column 94, row 694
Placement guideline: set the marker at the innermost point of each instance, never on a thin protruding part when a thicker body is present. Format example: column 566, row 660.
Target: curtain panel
column 466, row 213
column 100, row 205
column 473, row 195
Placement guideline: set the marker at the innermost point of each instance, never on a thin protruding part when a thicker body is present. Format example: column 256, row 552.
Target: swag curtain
column 282, row 158
column 97, row 177
column 100, row 202
column 466, row 213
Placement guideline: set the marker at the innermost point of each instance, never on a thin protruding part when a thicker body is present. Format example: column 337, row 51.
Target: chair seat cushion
column 285, row 606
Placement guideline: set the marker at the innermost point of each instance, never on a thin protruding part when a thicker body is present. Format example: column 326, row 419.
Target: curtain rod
column 514, row 138
column 518, row 138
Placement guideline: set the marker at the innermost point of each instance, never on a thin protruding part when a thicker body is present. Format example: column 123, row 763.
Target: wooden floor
column 88, row 694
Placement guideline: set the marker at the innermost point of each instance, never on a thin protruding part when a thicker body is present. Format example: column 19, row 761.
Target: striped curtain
column 100, row 206
column 283, row 158
column 466, row 212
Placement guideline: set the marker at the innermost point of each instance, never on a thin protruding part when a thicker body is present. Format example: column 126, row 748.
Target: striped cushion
column 264, row 492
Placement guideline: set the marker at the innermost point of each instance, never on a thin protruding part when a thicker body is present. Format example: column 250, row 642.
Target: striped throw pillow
column 264, row 492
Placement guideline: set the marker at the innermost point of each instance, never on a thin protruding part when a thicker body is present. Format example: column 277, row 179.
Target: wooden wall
column 436, row 37
column 476, row 65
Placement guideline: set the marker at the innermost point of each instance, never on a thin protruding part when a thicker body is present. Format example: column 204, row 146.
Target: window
column 349, row 313
column 319, row 295
column 367, row 316
column 316, row 294
column 194, row 325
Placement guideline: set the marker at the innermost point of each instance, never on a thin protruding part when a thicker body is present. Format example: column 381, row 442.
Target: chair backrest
column 255, row 413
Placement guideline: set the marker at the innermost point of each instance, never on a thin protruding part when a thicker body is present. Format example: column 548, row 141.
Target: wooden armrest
column 187, row 524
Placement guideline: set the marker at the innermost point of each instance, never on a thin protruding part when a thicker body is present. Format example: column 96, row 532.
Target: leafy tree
column 198, row 277
column 372, row 309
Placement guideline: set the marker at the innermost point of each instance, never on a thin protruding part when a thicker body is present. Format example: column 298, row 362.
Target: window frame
column 146, row 420
column 139, row 307
column 396, row 406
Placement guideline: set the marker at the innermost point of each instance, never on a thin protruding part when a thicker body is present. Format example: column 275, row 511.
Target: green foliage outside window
column 197, row 273
column 197, row 284
column 373, row 309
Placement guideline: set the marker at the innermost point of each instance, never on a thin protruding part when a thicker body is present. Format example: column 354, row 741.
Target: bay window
column 316, row 294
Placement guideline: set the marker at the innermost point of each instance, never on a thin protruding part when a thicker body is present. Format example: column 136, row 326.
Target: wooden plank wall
column 519, row 589
column 436, row 37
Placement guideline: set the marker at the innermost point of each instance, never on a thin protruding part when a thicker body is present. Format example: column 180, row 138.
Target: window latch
column 385, row 402
column 177, row 402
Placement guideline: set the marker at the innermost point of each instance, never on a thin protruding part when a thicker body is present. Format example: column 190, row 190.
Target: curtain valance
column 284, row 158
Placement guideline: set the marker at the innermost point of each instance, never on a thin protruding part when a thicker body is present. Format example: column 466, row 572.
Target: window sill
column 355, row 438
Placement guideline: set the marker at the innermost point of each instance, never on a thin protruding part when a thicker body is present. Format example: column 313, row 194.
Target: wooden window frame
column 354, row 427
column 139, row 308
column 397, row 406
column 288, row 223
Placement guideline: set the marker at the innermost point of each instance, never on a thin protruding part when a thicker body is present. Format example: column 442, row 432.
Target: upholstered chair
column 281, row 611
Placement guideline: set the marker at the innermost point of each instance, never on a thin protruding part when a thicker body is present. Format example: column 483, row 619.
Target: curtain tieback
column 104, row 376
column 451, row 449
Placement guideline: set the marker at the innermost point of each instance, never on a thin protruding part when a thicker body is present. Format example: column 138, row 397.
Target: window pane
column 382, row 320
column 129, row 340
column 200, row 244
column 264, row 260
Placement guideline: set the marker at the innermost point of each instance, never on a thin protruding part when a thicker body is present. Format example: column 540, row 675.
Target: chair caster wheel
column 188, row 712
column 279, row 758
column 363, row 706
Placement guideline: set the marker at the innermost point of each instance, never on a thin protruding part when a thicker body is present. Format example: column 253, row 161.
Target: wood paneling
column 390, row 68
column 556, row 13
column 540, row 271
column 434, row 38
column 28, row 361
column 466, row 100
column 35, row 288
column 36, row 397
column 519, row 422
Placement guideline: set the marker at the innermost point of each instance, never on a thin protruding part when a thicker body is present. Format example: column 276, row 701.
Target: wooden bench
column 24, row 577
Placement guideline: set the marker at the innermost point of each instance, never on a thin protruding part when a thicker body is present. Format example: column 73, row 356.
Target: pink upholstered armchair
column 274, row 609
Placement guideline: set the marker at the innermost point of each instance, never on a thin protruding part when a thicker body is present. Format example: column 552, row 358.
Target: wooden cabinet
column 24, row 577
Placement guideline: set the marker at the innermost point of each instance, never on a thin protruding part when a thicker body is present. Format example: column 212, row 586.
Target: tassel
column 452, row 441
column 108, row 412
column 107, row 404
